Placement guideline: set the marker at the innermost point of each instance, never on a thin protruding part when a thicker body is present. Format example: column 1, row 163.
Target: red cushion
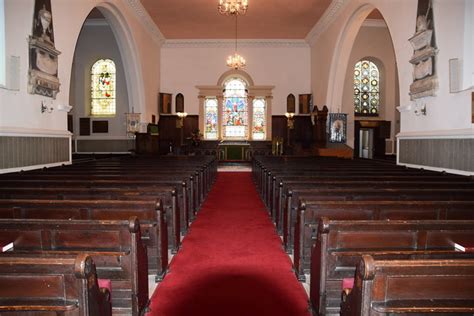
column 347, row 283
column 105, row 283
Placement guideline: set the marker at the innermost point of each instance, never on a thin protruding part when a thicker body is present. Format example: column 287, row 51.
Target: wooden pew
column 150, row 214
column 341, row 244
column 166, row 194
column 287, row 216
column 186, row 201
column 115, row 246
column 311, row 212
column 51, row 286
column 271, row 192
column 411, row 287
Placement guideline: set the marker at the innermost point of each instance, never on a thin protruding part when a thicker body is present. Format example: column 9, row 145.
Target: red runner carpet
column 231, row 261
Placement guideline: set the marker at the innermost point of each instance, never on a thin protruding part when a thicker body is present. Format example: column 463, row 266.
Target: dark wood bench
column 272, row 188
column 341, row 244
column 186, row 201
column 311, row 212
column 411, row 287
column 150, row 214
column 286, row 218
column 51, row 286
column 166, row 194
column 115, row 246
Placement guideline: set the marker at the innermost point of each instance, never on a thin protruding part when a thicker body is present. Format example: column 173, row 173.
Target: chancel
column 236, row 157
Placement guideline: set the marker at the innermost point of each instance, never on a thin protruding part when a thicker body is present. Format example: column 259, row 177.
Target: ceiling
column 265, row 19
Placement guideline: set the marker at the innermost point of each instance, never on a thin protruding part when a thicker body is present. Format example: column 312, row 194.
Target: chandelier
column 233, row 7
column 235, row 61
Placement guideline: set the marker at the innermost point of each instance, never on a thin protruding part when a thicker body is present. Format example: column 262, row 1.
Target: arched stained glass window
column 259, row 114
column 235, row 113
column 103, row 88
column 210, row 114
column 366, row 88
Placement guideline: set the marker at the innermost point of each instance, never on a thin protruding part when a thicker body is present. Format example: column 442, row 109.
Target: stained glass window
column 235, row 114
column 258, row 131
column 366, row 88
column 103, row 88
column 210, row 113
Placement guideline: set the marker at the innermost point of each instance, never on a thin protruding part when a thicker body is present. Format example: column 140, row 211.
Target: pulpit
column 146, row 143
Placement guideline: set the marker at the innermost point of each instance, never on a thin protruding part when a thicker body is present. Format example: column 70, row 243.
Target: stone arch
column 128, row 51
column 342, row 52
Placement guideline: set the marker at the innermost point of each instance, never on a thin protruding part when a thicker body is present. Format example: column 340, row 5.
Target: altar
column 234, row 151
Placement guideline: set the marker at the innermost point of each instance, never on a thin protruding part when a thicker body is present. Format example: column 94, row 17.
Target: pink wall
column 284, row 64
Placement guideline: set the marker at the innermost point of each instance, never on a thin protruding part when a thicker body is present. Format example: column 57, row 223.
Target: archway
column 366, row 36
column 105, row 35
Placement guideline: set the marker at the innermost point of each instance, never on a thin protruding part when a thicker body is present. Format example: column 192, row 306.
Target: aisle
column 231, row 262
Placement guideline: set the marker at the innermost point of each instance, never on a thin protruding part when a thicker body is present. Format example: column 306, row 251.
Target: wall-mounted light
column 180, row 121
column 420, row 109
column 290, row 121
column 64, row 107
column 45, row 108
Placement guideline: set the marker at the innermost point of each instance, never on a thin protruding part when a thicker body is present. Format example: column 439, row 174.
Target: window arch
column 179, row 103
column 103, row 88
column 366, row 88
column 235, row 110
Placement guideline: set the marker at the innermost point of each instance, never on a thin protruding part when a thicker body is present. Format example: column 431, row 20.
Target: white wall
column 2, row 43
column 374, row 43
column 97, row 41
column 284, row 64
column 330, row 55
column 20, row 111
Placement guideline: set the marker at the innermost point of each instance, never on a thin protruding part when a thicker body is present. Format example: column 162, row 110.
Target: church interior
column 236, row 157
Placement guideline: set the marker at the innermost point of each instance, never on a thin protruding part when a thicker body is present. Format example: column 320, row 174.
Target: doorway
column 366, row 144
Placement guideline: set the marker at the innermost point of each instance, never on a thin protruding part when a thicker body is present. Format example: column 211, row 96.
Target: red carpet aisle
column 232, row 262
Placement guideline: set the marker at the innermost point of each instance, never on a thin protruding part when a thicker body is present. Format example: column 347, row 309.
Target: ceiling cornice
column 328, row 17
column 216, row 43
column 145, row 19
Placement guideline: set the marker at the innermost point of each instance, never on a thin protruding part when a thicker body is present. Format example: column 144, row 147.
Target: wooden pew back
column 63, row 286
column 385, row 287
column 341, row 244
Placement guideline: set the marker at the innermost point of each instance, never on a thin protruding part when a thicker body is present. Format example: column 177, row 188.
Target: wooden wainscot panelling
column 448, row 153
column 305, row 103
column 164, row 103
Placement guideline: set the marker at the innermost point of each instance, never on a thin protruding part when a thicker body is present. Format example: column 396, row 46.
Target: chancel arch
column 235, row 108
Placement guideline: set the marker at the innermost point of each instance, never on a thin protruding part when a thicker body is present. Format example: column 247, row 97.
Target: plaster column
column 250, row 116
column 201, row 125
column 268, row 116
column 220, row 106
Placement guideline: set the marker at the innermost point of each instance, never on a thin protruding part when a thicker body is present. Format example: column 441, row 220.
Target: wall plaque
column 43, row 69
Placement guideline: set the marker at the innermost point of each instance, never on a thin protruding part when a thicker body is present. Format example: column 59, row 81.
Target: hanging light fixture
column 235, row 61
column 232, row 7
